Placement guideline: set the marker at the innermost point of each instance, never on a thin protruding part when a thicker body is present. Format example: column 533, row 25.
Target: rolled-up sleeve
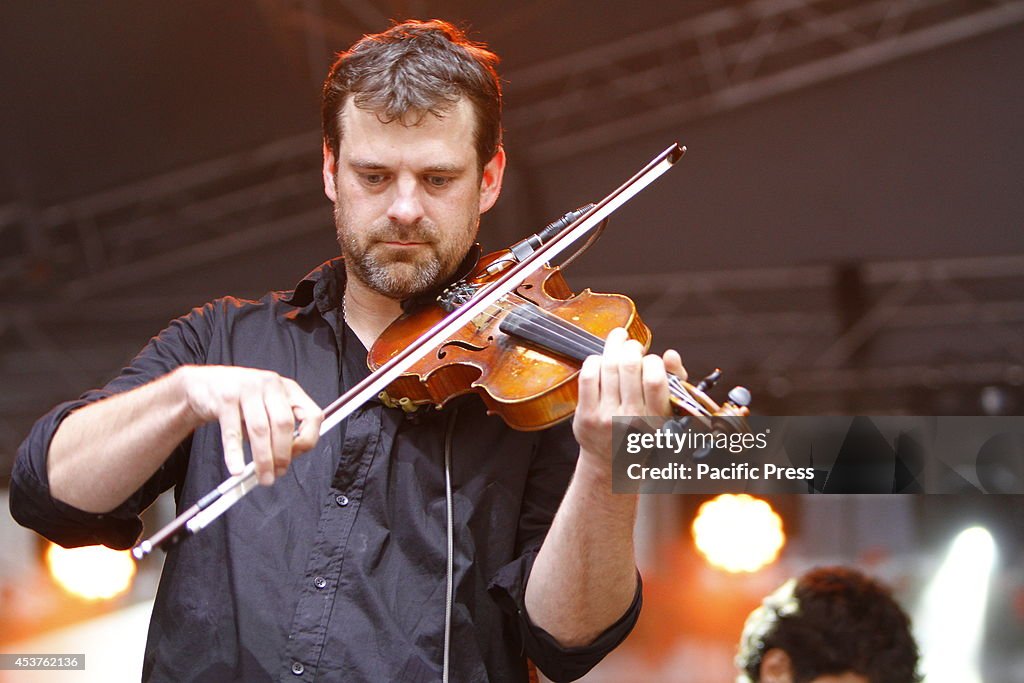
column 557, row 662
column 31, row 501
column 552, row 468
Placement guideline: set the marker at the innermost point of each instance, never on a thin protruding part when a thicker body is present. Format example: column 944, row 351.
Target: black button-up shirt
column 338, row 571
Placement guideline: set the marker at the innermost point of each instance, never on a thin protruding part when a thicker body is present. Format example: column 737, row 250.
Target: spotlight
column 738, row 533
column 93, row 572
column 952, row 613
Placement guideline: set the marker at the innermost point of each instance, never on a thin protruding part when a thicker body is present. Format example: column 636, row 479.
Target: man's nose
column 406, row 205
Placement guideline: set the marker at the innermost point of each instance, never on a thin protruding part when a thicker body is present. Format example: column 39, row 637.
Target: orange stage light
column 92, row 572
column 738, row 533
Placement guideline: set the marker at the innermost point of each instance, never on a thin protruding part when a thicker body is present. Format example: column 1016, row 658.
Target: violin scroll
column 692, row 401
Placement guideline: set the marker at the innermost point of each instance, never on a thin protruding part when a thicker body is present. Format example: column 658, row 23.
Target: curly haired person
column 831, row 625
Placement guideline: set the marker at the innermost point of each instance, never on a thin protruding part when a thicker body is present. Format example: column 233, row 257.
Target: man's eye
column 438, row 180
column 373, row 178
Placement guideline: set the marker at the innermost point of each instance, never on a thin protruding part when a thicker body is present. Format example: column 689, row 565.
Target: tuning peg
column 739, row 396
column 710, row 380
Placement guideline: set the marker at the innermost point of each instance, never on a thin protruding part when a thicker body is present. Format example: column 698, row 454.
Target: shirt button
column 297, row 668
column 341, row 500
column 320, row 582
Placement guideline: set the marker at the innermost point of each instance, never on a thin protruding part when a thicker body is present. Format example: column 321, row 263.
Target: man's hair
column 835, row 621
column 412, row 69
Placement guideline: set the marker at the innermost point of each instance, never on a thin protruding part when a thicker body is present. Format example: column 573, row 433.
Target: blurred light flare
column 93, row 572
column 951, row 616
column 738, row 533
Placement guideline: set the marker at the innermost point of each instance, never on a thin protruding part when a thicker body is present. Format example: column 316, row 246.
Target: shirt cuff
column 508, row 588
column 32, row 504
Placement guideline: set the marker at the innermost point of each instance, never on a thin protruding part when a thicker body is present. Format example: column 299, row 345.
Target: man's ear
column 490, row 180
column 776, row 667
column 330, row 171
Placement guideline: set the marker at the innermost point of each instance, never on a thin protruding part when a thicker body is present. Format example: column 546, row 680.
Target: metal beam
column 727, row 59
column 702, row 65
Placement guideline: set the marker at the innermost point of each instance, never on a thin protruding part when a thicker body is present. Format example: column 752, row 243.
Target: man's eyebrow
column 366, row 164
column 444, row 168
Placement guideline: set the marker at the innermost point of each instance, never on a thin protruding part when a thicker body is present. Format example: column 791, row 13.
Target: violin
column 522, row 354
column 512, row 331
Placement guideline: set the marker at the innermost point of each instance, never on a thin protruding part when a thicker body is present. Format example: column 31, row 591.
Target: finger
column 615, row 339
column 610, row 398
column 655, row 385
column 282, row 426
column 674, row 364
column 631, row 390
column 309, row 415
column 589, row 385
column 231, row 438
column 258, row 428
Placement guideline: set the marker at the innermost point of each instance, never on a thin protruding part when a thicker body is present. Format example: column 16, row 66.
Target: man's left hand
column 622, row 381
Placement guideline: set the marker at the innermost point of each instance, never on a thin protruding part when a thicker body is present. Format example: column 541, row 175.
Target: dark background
column 842, row 235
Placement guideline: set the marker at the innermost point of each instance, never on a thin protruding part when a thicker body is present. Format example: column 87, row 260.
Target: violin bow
column 231, row 490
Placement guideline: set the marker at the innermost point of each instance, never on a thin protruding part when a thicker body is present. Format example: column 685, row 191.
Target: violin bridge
column 483, row 320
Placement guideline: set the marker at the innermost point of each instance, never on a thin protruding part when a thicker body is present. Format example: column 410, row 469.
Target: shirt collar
column 324, row 285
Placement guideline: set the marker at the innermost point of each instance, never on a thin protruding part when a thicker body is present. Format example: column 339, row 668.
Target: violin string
column 593, row 345
column 583, row 342
column 676, row 387
column 589, row 344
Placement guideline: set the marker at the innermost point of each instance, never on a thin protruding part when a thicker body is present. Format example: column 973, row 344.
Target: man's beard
column 391, row 271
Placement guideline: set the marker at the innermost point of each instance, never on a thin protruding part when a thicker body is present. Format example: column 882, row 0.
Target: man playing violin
column 437, row 545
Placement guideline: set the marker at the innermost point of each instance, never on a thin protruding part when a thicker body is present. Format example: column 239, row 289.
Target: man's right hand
column 103, row 452
column 273, row 412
